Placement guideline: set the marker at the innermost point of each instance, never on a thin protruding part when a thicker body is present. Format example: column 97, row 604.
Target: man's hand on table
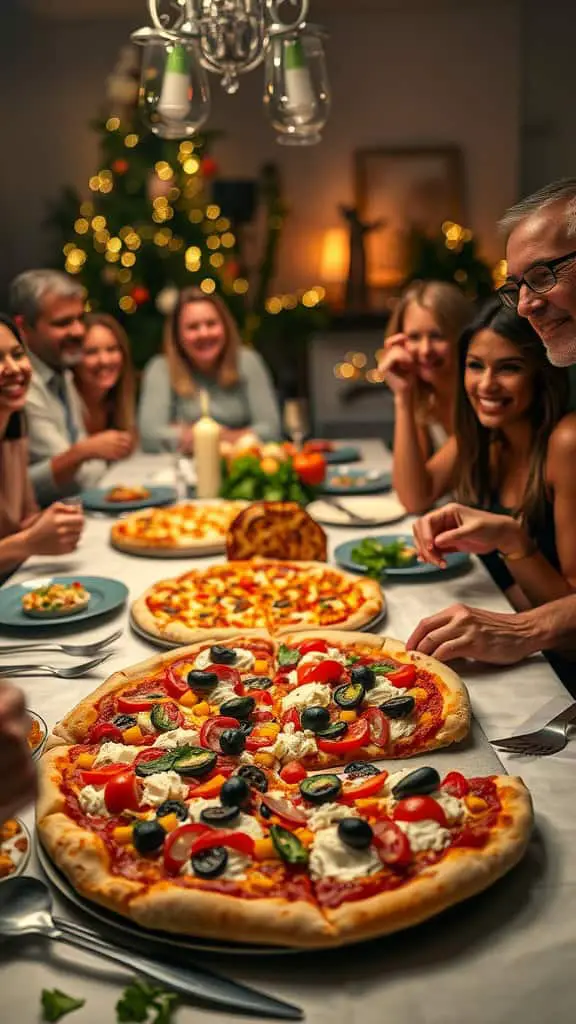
column 500, row 638
column 17, row 771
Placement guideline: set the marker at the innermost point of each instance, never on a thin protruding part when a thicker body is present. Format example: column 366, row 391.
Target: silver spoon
column 25, row 909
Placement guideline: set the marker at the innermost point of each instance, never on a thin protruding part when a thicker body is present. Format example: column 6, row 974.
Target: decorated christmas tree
column 157, row 218
column 451, row 255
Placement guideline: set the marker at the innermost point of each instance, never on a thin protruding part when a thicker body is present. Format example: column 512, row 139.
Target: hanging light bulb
column 296, row 92
column 174, row 93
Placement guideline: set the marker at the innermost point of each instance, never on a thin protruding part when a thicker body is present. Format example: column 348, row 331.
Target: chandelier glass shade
column 187, row 38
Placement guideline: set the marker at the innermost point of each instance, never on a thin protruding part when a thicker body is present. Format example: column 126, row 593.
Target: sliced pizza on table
column 193, row 528
column 276, row 529
column 277, row 595
column 181, row 795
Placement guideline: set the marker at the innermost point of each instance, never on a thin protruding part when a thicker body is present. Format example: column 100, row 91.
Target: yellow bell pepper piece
column 85, row 760
column 264, row 849
column 475, row 804
column 348, row 716
column 188, row 699
column 202, row 709
column 133, row 734
column 122, row 834
column 264, row 760
column 169, row 822
column 260, row 667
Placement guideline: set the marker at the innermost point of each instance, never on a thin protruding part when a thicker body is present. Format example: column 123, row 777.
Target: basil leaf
column 288, row 655
column 56, row 1004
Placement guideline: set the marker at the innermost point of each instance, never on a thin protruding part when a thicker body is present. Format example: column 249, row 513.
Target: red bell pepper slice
column 327, row 671
column 404, row 676
column 178, row 844
column 139, row 702
column 98, row 776
column 293, row 772
column 392, row 844
column 455, row 784
column 362, row 788
column 239, row 841
column 309, row 646
column 175, row 687
column 357, row 736
column 291, row 717
column 379, row 727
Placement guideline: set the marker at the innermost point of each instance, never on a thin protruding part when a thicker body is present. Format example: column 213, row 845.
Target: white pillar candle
column 174, row 101
column 300, row 98
column 207, row 452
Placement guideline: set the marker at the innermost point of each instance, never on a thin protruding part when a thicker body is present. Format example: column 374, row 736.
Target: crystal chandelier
column 229, row 37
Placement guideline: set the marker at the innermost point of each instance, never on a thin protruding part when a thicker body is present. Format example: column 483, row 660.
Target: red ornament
column 208, row 167
column 140, row 294
column 120, row 166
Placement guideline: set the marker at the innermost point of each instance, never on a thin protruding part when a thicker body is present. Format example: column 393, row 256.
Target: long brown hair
column 451, row 311
column 180, row 365
column 477, row 451
column 122, row 397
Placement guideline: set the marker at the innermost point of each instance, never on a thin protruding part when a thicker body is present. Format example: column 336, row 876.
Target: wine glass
column 296, row 420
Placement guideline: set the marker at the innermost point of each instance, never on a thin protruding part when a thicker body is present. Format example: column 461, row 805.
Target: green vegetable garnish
column 141, row 1000
column 376, row 557
column 56, row 1004
column 288, row 656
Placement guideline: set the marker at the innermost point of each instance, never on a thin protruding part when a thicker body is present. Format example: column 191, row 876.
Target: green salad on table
column 376, row 557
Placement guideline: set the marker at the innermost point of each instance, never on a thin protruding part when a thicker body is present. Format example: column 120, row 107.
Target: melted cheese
column 177, row 738
column 401, row 728
column 425, row 835
column 243, row 823
column 293, row 745
column 383, row 691
column 331, row 858
column 91, row 800
column 327, row 814
column 311, row 694
column 163, row 786
column 453, row 807
column 116, row 753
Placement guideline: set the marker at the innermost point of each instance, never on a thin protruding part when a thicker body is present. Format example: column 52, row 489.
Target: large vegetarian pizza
column 223, row 600
column 199, row 793
column 188, row 528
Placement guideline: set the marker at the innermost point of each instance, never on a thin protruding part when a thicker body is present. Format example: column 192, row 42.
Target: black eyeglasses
column 540, row 278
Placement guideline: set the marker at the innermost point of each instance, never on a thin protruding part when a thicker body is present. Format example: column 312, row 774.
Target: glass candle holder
column 297, row 92
column 174, row 93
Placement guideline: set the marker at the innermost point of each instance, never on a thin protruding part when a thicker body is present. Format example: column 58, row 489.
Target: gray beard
column 564, row 357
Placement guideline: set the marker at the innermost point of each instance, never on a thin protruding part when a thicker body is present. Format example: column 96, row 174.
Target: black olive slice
column 210, row 863
column 334, row 731
column 355, row 832
column 350, row 695
column 148, row 836
column 125, row 721
column 176, row 807
column 221, row 817
column 235, row 791
column 254, row 777
column 198, row 680
column 315, row 718
column 258, row 682
column 232, row 741
column 223, row 655
column 420, row 782
column 398, row 707
column 364, row 675
column 238, row 707
column 321, row 789
column 360, row 769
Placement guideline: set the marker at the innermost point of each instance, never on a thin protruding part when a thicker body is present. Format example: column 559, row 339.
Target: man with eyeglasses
column 541, row 285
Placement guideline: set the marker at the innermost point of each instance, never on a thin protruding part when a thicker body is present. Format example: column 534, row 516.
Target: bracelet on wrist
column 520, row 553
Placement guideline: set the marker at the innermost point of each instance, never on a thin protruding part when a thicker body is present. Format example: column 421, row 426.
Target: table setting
column 502, row 956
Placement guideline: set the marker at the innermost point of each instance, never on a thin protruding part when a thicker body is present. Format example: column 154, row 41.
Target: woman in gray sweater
column 203, row 352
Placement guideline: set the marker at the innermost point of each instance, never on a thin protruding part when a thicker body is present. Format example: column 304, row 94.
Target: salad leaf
column 288, row 655
column 376, row 557
column 141, row 999
column 56, row 1004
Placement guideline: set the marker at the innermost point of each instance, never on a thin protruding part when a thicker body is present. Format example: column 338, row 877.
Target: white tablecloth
column 506, row 957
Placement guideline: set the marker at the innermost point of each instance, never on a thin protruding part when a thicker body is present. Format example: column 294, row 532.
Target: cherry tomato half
column 358, row 734
column 327, row 671
column 121, row 793
column 310, row 467
column 291, row 717
column 223, row 837
column 420, row 808
column 455, row 784
column 379, row 726
column 256, row 739
column 293, row 772
column 213, row 728
column 105, row 731
column 391, row 843
column 404, row 676
column 308, row 646
column 178, row 844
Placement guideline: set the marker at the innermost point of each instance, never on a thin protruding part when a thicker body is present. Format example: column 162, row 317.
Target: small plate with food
column 126, row 498
column 37, row 735
column 392, row 555
column 15, row 846
column 347, row 480
column 57, row 600
column 333, row 452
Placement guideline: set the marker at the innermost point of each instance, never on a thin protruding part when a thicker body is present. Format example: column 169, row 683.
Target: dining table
column 506, row 956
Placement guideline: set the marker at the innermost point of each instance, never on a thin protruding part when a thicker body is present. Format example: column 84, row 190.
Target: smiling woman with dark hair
column 23, row 531
column 511, row 460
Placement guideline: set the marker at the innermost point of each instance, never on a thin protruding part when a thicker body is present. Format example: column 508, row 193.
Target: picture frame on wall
column 406, row 188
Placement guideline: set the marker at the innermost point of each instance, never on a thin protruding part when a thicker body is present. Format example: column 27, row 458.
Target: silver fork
column 85, row 650
column 550, row 739
column 52, row 670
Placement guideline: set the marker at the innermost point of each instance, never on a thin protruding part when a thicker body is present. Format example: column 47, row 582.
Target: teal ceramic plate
column 343, row 453
column 343, row 556
column 356, row 481
column 95, row 500
column 105, row 596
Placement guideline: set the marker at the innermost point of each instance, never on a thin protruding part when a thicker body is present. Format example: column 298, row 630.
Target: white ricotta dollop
column 235, row 867
column 115, row 753
column 177, row 738
column 453, row 807
column 91, row 800
column 383, row 691
column 425, row 835
column 293, row 745
column 336, row 655
column 327, row 814
column 401, row 727
column 220, row 693
column 243, row 823
column 163, row 786
column 203, row 659
column 243, row 662
column 331, row 858
column 317, row 694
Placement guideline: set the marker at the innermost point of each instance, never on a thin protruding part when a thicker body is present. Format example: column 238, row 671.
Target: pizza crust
column 461, row 873
column 213, row 542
